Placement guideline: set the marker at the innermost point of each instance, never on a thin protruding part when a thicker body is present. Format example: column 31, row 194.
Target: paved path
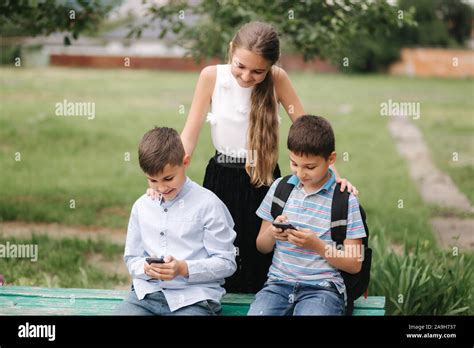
column 435, row 187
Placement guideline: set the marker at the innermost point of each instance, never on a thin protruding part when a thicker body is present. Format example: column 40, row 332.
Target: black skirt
column 227, row 178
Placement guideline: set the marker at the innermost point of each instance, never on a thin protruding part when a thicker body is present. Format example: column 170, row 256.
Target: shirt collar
column 184, row 189
column 327, row 185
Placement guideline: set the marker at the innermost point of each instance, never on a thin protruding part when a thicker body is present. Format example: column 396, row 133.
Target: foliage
column 35, row 17
column 440, row 23
column 324, row 28
column 423, row 280
column 357, row 35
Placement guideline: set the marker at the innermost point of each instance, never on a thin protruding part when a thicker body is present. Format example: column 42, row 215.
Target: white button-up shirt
column 196, row 227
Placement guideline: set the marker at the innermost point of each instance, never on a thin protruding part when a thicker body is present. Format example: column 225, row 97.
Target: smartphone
column 284, row 226
column 151, row 260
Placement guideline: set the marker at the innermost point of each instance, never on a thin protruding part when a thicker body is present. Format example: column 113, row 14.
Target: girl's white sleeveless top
column 229, row 116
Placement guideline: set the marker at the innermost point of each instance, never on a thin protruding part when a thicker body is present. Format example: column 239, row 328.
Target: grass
column 67, row 160
column 72, row 158
column 67, row 262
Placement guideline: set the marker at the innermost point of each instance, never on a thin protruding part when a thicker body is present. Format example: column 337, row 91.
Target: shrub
column 422, row 281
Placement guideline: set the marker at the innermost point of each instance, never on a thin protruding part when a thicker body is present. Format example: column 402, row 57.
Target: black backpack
column 356, row 284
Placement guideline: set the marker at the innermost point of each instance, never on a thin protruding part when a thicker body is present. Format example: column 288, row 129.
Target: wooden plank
column 228, row 310
column 56, row 303
column 370, row 302
column 238, row 299
column 20, row 300
column 62, row 292
column 19, row 311
column 368, row 312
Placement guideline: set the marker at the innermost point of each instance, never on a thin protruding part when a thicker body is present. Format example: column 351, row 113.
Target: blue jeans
column 156, row 304
column 285, row 298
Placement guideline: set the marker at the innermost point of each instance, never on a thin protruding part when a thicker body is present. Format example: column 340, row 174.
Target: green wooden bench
column 21, row 300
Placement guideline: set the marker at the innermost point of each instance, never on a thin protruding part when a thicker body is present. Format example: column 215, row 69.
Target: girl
column 244, row 97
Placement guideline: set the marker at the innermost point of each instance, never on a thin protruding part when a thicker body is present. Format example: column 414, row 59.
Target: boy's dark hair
column 160, row 146
column 311, row 135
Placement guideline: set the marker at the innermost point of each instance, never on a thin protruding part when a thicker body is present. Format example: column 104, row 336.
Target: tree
column 43, row 17
column 325, row 28
column 444, row 23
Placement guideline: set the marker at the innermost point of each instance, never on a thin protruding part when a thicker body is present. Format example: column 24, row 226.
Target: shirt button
column 162, row 233
column 166, row 210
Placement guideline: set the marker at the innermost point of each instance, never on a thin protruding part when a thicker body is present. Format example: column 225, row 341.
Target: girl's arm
column 199, row 107
column 286, row 94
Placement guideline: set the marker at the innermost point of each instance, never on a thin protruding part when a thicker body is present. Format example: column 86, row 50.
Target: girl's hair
column 262, row 141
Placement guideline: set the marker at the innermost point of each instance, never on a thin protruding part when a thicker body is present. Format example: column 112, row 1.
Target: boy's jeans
column 155, row 304
column 285, row 298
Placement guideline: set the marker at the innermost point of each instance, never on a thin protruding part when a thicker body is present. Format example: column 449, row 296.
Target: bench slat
column 368, row 312
column 62, row 292
column 20, row 300
column 370, row 302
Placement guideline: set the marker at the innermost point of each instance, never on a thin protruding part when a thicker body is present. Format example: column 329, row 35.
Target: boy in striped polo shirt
column 304, row 277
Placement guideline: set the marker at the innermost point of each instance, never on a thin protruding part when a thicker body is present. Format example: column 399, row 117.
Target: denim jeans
column 156, row 304
column 285, row 298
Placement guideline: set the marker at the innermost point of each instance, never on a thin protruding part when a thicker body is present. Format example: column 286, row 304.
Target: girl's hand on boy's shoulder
column 350, row 188
column 153, row 194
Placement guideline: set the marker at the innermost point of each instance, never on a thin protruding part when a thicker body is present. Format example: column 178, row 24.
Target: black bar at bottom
column 422, row 330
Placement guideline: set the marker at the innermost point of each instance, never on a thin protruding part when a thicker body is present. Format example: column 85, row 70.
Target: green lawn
column 68, row 263
column 73, row 158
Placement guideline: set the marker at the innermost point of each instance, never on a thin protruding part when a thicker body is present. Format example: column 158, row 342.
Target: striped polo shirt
column 313, row 211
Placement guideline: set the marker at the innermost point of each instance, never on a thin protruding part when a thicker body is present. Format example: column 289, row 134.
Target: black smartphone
column 284, row 226
column 151, row 260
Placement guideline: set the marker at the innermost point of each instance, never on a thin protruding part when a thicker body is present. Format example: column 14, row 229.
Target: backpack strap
column 339, row 212
column 282, row 192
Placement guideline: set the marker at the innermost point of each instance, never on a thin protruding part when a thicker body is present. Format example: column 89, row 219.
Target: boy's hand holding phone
column 166, row 268
column 151, row 260
column 305, row 238
column 281, row 228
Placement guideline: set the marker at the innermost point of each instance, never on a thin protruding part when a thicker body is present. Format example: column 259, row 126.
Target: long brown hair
column 262, row 139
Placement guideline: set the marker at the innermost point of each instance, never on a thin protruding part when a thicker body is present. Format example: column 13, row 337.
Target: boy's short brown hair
column 311, row 135
column 160, row 146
